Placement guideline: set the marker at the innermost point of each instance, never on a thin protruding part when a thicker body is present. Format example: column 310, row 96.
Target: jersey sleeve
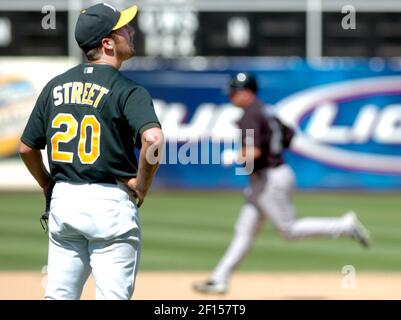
column 140, row 113
column 34, row 134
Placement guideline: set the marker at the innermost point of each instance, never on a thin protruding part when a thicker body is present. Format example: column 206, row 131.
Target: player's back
column 88, row 135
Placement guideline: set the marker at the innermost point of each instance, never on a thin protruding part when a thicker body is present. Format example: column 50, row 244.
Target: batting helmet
column 243, row 80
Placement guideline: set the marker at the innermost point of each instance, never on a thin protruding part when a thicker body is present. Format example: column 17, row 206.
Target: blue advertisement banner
column 346, row 113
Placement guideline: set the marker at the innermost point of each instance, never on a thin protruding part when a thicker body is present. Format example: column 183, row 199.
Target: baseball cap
column 243, row 80
column 98, row 21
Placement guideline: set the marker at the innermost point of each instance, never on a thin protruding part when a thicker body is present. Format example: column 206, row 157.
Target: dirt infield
column 258, row 286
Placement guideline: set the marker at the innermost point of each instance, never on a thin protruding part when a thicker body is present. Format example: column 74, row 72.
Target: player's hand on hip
column 138, row 194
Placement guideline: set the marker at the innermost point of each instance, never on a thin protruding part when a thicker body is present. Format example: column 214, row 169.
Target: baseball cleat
column 358, row 231
column 211, row 287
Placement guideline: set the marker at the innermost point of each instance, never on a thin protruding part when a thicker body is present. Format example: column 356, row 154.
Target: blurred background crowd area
column 188, row 28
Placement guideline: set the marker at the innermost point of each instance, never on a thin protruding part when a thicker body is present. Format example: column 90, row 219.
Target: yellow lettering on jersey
column 63, row 137
column 102, row 92
column 91, row 157
column 76, row 93
column 85, row 93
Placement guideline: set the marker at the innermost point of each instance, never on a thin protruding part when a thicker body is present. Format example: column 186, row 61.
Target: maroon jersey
column 270, row 135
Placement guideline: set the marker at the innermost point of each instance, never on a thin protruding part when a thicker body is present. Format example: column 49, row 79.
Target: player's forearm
column 150, row 156
column 34, row 162
column 145, row 174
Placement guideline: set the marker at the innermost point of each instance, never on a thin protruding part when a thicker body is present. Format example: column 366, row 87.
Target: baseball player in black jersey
column 91, row 118
column 271, row 184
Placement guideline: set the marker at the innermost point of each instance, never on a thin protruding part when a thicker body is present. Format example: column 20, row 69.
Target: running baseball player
column 271, row 184
column 91, row 118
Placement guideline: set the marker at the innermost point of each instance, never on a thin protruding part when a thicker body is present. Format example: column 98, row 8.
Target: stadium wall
column 347, row 113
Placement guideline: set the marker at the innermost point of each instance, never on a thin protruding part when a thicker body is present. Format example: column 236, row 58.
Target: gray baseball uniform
column 268, row 195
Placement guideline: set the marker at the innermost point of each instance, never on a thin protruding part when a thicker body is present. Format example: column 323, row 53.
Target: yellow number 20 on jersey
column 70, row 133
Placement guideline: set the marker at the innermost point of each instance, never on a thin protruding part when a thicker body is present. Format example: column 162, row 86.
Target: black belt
column 111, row 181
column 107, row 181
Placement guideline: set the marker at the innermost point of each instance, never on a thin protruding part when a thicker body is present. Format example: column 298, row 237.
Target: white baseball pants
column 269, row 196
column 92, row 228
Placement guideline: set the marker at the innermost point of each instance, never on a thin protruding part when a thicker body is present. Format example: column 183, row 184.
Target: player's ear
column 108, row 43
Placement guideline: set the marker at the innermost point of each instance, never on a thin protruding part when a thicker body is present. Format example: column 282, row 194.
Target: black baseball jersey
column 269, row 134
column 91, row 119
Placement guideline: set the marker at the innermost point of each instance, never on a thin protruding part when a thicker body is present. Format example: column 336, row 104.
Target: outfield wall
column 21, row 81
column 347, row 113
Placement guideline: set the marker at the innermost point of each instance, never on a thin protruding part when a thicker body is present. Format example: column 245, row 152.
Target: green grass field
column 190, row 231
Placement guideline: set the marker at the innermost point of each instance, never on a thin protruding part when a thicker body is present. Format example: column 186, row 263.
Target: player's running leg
column 276, row 202
column 246, row 229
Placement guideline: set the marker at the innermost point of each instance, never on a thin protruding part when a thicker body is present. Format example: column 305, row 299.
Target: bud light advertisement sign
column 346, row 114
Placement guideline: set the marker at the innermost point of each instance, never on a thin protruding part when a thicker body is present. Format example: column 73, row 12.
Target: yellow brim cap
column 126, row 16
